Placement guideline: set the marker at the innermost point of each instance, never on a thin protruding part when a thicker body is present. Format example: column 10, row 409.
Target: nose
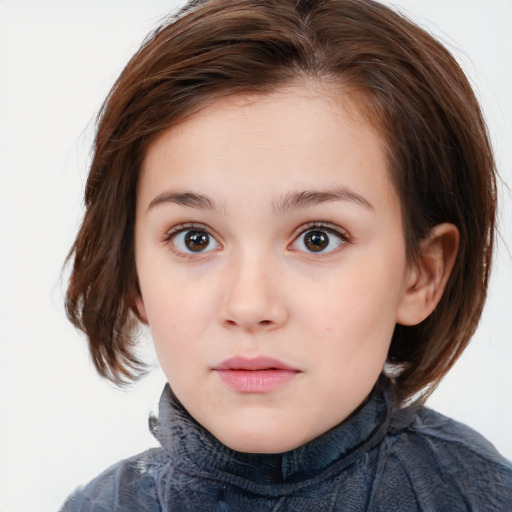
column 254, row 298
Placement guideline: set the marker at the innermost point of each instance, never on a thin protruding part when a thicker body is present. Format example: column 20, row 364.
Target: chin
column 255, row 442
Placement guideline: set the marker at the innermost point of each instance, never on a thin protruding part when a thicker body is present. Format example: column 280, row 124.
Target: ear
column 427, row 277
column 141, row 309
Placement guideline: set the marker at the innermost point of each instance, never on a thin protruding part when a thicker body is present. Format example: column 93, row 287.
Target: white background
column 60, row 424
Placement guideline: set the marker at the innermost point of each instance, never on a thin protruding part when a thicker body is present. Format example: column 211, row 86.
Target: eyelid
column 169, row 234
column 322, row 226
column 325, row 226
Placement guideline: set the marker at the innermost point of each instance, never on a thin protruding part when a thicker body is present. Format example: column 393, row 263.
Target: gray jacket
column 380, row 459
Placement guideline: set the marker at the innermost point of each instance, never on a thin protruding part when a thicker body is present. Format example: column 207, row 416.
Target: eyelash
column 323, row 227
column 188, row 226
column 184, row 228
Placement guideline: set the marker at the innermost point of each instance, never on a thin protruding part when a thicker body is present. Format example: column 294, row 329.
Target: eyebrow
column 291, row 201
column 308, row 198
column 190, row 199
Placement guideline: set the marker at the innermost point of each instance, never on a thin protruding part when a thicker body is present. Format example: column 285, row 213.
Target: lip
column 255, row 375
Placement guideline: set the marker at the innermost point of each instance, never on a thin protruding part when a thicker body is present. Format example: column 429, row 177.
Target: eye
column 193, row 241
column 319, row 239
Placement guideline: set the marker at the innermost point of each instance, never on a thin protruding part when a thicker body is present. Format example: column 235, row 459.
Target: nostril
column 265, row 322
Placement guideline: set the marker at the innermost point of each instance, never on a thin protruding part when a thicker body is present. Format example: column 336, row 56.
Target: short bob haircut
column 408, row 86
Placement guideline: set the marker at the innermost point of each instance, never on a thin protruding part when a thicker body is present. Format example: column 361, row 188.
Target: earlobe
column 141, row 309
column 428, row 276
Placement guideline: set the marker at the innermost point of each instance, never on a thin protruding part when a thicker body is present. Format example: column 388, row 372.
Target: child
column 298, row 198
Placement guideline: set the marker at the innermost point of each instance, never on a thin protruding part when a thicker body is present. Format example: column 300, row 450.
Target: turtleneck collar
column 195, row 451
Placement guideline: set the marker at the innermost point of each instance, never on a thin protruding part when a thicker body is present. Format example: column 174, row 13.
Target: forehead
column 300, row 137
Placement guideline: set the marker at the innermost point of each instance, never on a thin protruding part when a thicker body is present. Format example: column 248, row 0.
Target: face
column 271, row 260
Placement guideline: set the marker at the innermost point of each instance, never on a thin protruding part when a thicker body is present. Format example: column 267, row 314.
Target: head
column 395, row 98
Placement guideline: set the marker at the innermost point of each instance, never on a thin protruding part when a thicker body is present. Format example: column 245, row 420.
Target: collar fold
column 193, row 450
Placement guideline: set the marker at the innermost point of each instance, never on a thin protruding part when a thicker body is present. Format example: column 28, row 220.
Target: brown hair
column 412, row 89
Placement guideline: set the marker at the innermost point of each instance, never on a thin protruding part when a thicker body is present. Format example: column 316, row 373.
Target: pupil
column 196, row 240
column 316, row 241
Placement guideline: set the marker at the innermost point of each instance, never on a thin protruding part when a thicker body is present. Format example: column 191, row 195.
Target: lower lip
column 256, row 381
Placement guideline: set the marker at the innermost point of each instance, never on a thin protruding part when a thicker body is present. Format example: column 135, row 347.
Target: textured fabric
column 408, row 460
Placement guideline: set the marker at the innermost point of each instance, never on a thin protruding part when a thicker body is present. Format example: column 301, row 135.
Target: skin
column 233, row 174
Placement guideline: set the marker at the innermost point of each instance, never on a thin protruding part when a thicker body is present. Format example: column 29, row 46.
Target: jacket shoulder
column 129, row 485
column 444, row 464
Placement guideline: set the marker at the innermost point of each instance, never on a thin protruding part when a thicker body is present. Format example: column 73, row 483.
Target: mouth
column 255, row 375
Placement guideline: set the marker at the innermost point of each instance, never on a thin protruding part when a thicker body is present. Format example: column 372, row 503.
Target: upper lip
column 253, row 364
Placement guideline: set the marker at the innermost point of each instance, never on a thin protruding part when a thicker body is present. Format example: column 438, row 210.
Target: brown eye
column 197, row 240
column 319, row 240
column 194, row 240
column 316, row 241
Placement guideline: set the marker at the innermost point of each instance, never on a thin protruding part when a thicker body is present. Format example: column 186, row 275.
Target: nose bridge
column 252, row 296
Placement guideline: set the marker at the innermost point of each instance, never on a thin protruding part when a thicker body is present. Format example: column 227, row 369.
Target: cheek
column 174, row 309
column 351, row 300
column 354, row 315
